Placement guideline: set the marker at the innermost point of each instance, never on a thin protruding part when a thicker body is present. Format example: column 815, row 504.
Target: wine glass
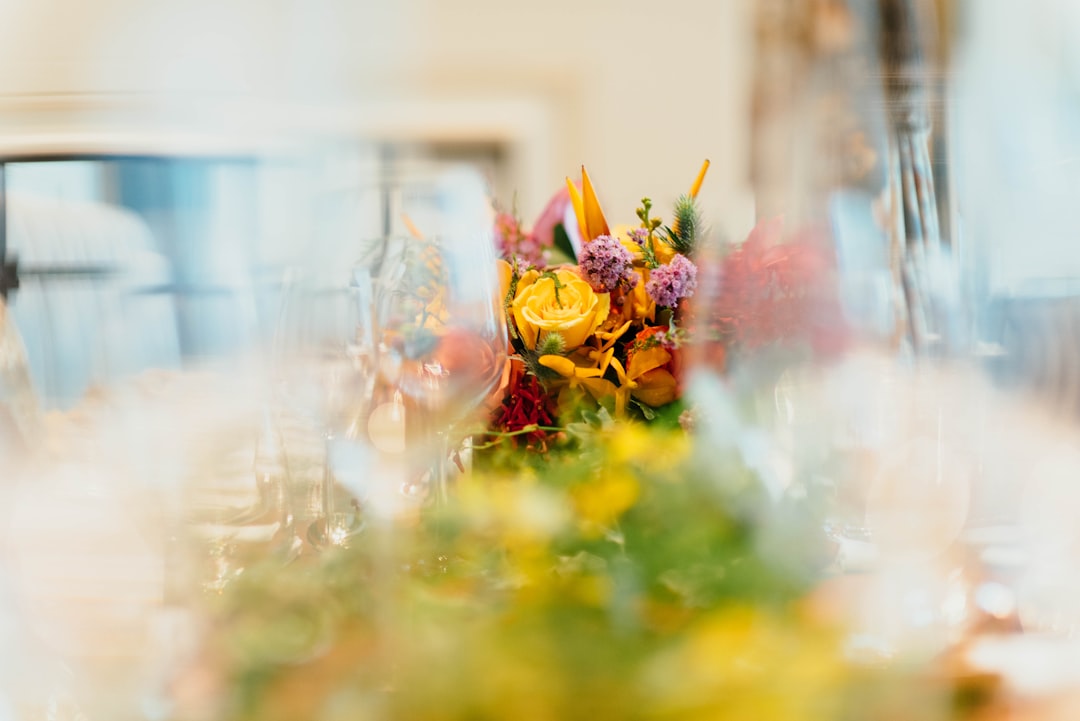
column 442, row 333
column 325, row 357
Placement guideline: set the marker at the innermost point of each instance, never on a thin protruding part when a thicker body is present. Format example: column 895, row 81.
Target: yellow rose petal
column 569, row 307
column 506, row 276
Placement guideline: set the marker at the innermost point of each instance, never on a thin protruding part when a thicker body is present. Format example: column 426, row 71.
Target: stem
column 510, row 434
column 440, row 487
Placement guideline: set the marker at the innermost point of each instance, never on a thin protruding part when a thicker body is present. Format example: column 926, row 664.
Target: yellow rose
column 571, row 308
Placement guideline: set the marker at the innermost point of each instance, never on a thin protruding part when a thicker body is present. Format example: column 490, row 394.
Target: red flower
column 524, row 403
column 658, row 375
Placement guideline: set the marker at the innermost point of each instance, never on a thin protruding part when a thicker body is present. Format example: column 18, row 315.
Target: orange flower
column 651, row 369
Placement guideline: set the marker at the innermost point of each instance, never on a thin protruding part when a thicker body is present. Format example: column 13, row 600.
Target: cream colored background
column 638, row 91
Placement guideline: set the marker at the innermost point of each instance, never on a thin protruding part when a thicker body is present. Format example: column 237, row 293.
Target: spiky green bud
column 553, row 344
column 687, row 225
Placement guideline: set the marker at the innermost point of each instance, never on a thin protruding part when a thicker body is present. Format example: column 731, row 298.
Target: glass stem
column 326, row 503
column 442, row 469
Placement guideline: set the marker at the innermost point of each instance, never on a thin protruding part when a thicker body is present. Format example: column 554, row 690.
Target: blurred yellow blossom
column 601, row 501
column 743, row 662
column 637, row 446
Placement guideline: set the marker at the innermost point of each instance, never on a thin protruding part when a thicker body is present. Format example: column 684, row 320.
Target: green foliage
column 651, row 225
column 563, row 244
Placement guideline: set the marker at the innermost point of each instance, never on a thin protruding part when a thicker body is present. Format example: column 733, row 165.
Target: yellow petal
column 610, row 337
column 656, row 388
column 645, row 360
column 600, row 388
column 602, row 358
column 623, row 380
column 602, row 501
column 664, row 252
column 506, row 276
column 567, row 368
column 596, row 224
column 527, row 278
column 603, row 309
column 579, row 208
column 563, row 366
column 527, row 330
column 700, row 179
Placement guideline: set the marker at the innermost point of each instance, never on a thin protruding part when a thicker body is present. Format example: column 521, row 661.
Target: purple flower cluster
column 606, row 264
column 639, row 235
column 670, row 283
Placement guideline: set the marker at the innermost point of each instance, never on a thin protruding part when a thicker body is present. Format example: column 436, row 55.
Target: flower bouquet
column 598, row 337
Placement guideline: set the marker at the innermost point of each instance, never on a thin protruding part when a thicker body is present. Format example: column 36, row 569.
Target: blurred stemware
column 236, row 509
column 441, row 328
column 325, row 355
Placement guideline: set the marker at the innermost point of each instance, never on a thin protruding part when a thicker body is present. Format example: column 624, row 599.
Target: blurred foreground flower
column 625, row 580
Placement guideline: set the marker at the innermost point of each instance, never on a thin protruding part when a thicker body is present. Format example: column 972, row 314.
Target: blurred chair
column 86, row 306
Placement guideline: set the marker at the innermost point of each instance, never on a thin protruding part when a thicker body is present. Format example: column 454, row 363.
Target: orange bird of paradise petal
column 411, row 227
column 579, row 207
column 696, row 187
column 596, row 224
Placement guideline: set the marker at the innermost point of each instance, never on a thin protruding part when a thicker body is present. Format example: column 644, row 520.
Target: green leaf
column 563, row 244
column 646, row 411
column 667, row 416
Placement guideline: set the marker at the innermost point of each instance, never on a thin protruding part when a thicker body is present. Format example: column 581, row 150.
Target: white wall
column 639, row 91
